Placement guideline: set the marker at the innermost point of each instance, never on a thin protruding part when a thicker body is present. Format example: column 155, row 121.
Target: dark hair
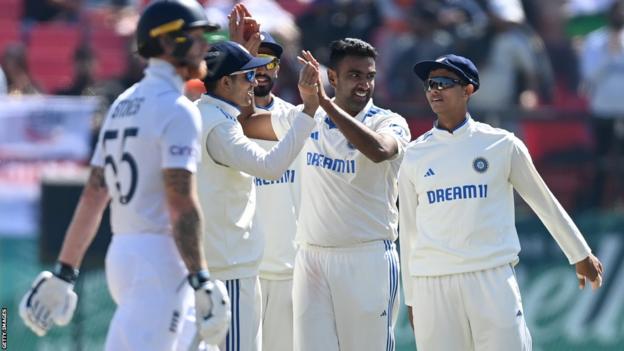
column 211, row 85
column 349, row 47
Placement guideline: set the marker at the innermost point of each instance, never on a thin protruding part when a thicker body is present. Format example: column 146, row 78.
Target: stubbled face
column 265, row 77
column 241, row 90
column 354, row 82
column 196, row 65
column 447, row 100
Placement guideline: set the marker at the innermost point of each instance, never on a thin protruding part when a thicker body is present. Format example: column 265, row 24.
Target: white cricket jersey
column 277, row 203
column 150, row 127
column 347, row 199
column 227, row 188
column 457, row 206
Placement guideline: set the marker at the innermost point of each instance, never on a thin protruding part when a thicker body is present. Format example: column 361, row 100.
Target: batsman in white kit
column 458, row 237
column 277, row 203
column 345, row 284
column 226, row 179
column 144, row 165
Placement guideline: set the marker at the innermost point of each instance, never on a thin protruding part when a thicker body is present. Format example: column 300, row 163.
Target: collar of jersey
column 268, row 107
column 229, row 107
column 164, row 70
column 459, row 131
column 362, row 114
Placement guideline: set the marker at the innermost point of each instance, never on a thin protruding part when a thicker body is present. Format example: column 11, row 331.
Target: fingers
column 597, row 283
column 581, row 280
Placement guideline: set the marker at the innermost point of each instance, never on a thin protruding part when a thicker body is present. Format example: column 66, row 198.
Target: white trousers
column 147, row 280
column 277, row 315
column 345, row 298
column 245, row 333
column 480, row 311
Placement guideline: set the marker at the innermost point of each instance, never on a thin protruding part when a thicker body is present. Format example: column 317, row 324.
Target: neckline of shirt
column 228, row 106
column 457, row 133
column 268, row 107
column 166, row 71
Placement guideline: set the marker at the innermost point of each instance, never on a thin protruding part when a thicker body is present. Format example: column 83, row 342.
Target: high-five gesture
column 309, row 78
column 244, row 29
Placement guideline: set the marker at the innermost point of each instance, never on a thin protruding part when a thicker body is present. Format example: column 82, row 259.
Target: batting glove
column 212, row 307
column 50, row 300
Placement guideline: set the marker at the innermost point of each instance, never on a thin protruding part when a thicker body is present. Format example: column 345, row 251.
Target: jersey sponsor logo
column 469, row 191
column 480, row 164
column 429, row 173
column 332, row 164
column 182, row 150
column 127, row 108
column 287, row 177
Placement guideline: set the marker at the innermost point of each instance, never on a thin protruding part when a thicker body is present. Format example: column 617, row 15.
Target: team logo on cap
column 480, row 164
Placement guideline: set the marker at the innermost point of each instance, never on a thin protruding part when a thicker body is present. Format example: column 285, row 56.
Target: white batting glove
column 50, row 300
column 212, row 307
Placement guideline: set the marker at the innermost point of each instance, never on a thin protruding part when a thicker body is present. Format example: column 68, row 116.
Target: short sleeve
column 397, row 127
column 180, row 141
column 97, row 160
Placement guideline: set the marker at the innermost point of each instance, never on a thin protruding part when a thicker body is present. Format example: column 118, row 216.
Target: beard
column 264, row 90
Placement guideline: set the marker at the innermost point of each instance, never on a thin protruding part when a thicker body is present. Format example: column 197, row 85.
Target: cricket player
column 345, row 283
column 277, row 204
column 226, row 179
column 458, row 237
column 144, row 165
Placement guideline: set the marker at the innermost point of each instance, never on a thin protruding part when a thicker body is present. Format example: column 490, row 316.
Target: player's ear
column 469, row 90
column 333, row 77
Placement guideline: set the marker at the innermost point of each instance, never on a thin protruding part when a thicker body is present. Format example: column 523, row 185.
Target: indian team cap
column 228, row 57
column 462, row 66
column 271, row 44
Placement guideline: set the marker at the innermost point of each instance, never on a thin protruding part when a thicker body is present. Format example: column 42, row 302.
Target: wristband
column 65, row 272
column 198, row 279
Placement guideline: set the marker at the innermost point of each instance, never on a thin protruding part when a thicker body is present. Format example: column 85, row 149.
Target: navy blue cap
column 270, row 43
column 462, row 66
column 227, row 57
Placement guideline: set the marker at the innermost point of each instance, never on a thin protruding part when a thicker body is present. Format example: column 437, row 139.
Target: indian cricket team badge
column 480, row 164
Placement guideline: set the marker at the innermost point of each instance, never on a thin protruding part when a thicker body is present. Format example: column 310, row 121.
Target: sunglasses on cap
column 271, row 65
column 441, row 83
column 249, row 75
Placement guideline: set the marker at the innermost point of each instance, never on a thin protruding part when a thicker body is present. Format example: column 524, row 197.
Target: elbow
column 381, row 155
column 273, row 174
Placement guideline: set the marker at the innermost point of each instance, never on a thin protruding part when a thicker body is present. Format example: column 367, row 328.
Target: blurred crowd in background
column 552, row 71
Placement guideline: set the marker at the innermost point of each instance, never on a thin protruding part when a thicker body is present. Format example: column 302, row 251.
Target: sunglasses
column 271, row 65
column 441, row 83
column 249, row 75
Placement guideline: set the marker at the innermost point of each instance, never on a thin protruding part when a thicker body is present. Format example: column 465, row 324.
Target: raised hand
column 589, row 268
column 244, row 29
column 309, row 78
column 308, row 57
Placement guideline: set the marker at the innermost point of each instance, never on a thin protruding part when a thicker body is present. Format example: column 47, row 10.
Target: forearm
column 186, row 217
column 86, row 220
column 532, row 188
column 187, row 232
column 228, row 146
column 373, row 145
